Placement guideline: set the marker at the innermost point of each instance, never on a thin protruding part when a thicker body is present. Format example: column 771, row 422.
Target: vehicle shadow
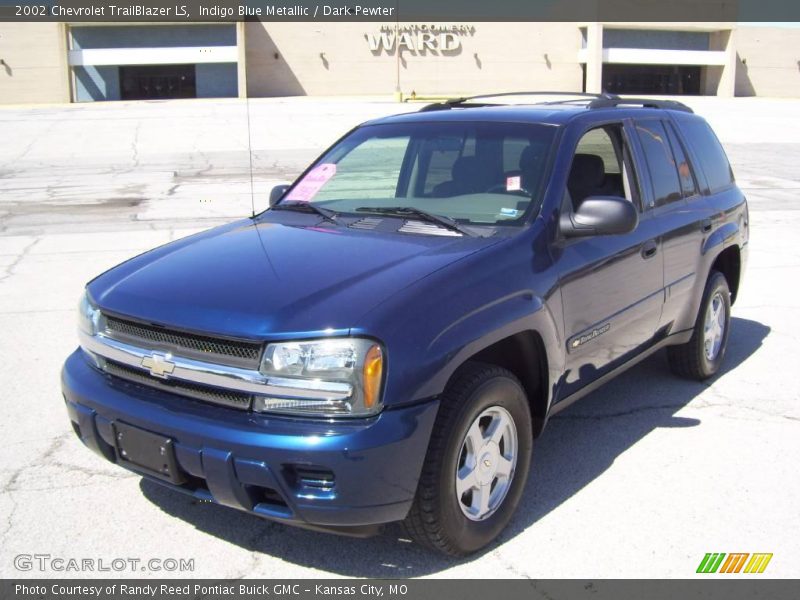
column 579, row 445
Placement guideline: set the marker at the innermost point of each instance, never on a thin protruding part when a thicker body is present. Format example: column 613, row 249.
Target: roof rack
column 603, row 100
column 612, row 101
column 454, row 102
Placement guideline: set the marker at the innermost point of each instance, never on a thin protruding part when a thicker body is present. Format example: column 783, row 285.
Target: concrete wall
column 216, row 80
column 212, row 80
column 768, row 62
column 326, row 58
column 34, row 63
column 335, row 59
column 96, row 83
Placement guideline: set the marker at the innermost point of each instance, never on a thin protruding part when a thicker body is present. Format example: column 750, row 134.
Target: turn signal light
column 373, row 371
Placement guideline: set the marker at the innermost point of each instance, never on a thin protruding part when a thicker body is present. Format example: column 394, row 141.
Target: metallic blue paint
column 278, row 277
column 376, row 461
column 433, row 302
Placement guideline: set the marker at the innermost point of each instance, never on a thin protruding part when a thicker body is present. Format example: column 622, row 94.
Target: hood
column 265, row 280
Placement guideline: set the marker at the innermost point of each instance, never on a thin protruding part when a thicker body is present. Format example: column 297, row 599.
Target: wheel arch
column 729, row 263
column 523, row 354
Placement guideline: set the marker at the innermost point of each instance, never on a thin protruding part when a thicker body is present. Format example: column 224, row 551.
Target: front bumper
column 346, row 476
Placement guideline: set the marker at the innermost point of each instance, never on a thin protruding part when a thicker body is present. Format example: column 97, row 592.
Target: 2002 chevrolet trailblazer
column 386, row 341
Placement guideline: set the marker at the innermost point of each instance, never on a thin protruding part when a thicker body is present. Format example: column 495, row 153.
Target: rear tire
column 477, row 462
column 702, row 356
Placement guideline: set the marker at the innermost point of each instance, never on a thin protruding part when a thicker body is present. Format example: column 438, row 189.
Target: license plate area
column 148, row 452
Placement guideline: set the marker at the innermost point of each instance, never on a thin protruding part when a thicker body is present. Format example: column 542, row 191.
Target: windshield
column 479, row 173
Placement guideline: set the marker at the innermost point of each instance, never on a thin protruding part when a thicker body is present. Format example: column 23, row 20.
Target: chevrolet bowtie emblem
column 159, row 365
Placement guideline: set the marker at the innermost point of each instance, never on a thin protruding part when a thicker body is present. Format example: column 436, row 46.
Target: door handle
column 707, row 225
column 649, row 249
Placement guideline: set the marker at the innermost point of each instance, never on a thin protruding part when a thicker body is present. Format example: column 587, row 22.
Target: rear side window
column 688, row 184
column 709, row 152
column 660, row 162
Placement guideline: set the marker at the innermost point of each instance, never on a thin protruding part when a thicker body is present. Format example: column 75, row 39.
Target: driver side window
column 601, row 166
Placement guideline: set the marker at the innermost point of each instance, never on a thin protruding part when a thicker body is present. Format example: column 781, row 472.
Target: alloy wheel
column 486, row 463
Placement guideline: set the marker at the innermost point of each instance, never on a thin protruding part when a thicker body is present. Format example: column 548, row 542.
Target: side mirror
column 600, row 215
column 277, row 193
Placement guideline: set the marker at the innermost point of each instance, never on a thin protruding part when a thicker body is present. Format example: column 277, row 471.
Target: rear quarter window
column 660, row 161
column 709, row 152
column 688, row 184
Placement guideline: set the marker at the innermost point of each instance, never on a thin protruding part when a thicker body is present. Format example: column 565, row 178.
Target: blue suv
column 388, row 339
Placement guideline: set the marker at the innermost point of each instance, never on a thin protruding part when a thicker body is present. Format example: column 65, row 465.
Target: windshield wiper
column 325, row 213
column 410, row 211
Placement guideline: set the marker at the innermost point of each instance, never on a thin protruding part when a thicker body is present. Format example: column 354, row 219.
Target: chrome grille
column 205, row 393
column 188, row 344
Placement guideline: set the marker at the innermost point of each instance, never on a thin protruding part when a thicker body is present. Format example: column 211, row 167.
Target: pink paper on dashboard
column 312, row 182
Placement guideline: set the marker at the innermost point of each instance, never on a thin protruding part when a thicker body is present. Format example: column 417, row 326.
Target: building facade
column 79, row 62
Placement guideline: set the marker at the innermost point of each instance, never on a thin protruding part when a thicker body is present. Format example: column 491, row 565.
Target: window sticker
column 513, row 183
column 312, row 183
column 509, row 212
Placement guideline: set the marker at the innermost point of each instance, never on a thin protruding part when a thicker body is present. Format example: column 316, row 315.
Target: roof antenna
column 250, row 155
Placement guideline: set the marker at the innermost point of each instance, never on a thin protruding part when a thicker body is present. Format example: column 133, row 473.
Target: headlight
column 335, row 377
column 88, row 315
column 89, row 322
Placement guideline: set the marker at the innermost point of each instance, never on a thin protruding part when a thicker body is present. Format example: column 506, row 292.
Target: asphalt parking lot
column 640, row 479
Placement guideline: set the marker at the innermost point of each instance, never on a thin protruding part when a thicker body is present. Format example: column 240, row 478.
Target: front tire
column 477, row 462
column 702, row 356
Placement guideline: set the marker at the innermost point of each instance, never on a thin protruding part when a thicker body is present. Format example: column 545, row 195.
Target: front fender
column 434, row 325
column 519, row 312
